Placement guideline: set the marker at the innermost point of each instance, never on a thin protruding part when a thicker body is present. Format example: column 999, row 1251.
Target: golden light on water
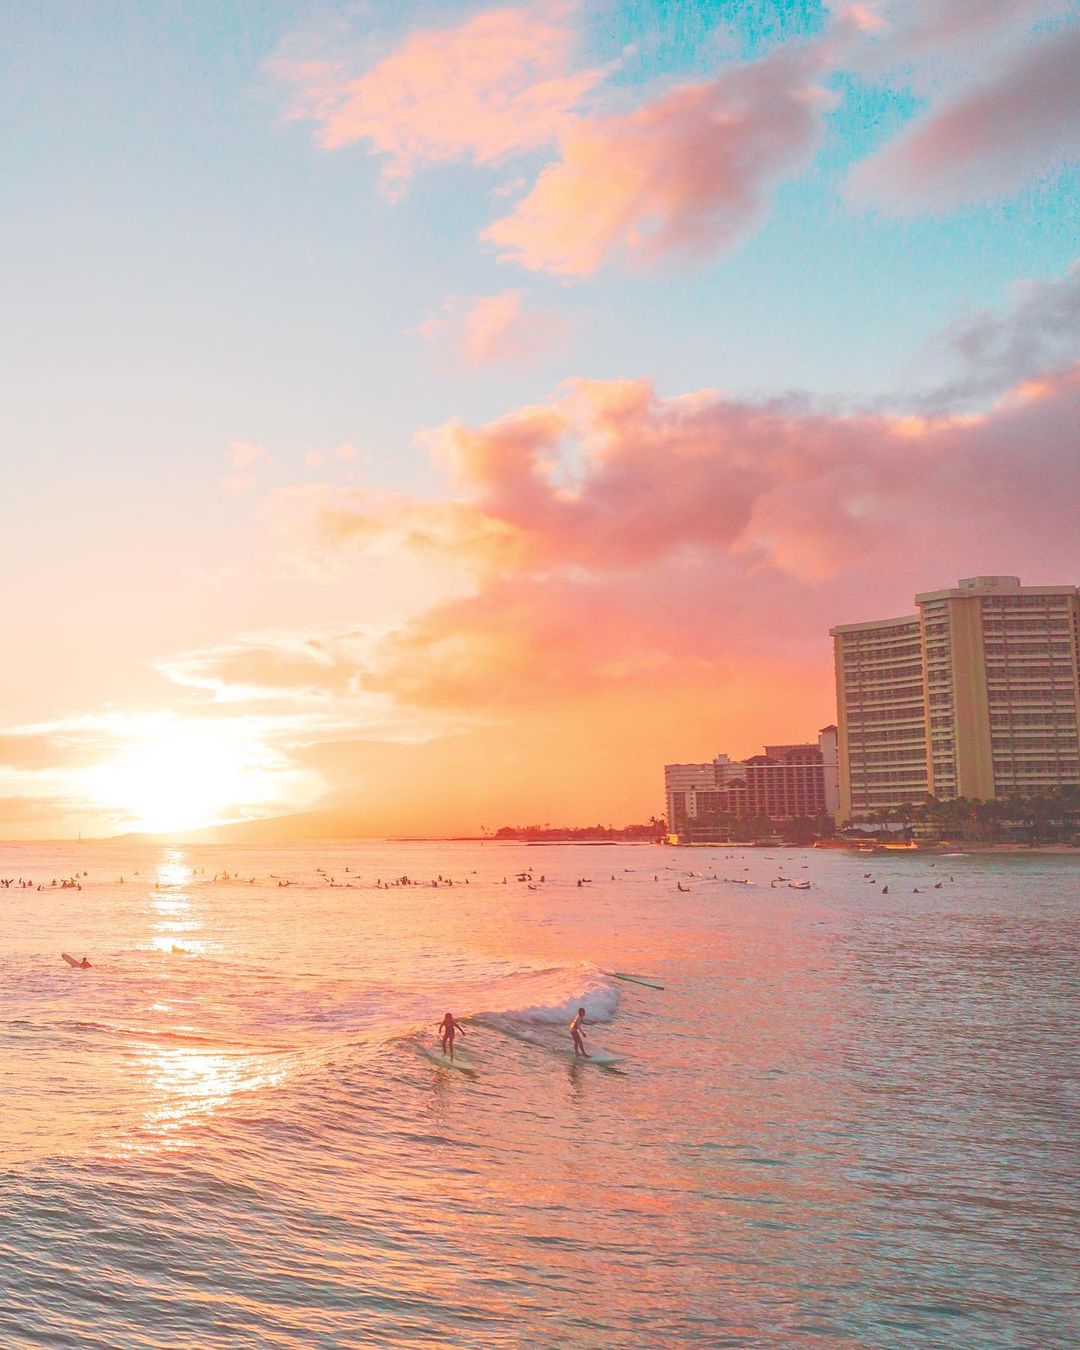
column 185, row 1076
column 176, row 927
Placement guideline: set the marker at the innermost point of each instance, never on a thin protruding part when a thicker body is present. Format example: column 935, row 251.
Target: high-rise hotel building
column 975, row 695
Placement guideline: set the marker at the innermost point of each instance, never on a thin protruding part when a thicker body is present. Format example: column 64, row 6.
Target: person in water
column 577, row 1031
column 448, row 1028
column 84, row 964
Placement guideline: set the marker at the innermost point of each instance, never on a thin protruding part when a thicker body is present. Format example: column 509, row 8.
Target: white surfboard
column 601, row 1058
column 71, row 960
column 459, row 1062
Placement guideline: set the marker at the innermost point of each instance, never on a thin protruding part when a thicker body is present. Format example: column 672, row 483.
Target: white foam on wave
column 592, row 990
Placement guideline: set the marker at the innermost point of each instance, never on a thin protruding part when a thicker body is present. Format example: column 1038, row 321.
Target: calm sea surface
column 849, row 1117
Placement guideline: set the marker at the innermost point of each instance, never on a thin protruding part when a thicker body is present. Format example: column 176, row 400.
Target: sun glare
column 180, row 776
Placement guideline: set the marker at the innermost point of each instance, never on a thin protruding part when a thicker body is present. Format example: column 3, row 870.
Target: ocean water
column 848, row 1118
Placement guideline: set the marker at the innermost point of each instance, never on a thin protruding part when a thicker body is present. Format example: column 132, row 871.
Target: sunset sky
column 443, row 415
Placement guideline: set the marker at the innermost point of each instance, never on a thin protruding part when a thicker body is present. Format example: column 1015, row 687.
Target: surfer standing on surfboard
column 447, row 1028
column 577, row 1031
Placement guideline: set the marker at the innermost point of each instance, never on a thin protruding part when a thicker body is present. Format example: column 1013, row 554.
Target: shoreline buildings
column 787, row 782
column 977, row 694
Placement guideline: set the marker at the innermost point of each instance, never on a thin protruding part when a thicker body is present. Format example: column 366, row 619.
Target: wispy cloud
column 499, row 329
column 243, row 457
column 497, row 84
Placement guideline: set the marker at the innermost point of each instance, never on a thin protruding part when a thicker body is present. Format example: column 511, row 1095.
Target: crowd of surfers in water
column 26, row 883
column 449, row 1026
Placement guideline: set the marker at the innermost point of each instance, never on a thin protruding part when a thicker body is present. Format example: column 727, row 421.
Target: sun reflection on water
column 188, row 1071
column 176, row 924
column 185, row 1084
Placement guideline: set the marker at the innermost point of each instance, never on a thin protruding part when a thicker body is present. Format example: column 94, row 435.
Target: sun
column 178, row 774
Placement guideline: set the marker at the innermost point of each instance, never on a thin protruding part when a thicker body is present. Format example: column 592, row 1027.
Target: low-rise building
column 787, row 782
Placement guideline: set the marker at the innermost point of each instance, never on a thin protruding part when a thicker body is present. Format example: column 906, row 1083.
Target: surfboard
column 600, row 1058
column 445, row 1062
column 72, row 961
column 632, row 979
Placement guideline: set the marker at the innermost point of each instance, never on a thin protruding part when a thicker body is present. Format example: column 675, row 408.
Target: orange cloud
column 259, row 668
column 689, row 173
column 334, row 518
column 496, row 84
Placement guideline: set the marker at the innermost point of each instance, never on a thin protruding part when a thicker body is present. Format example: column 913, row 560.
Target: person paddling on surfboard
column 447, row 1029
column 577, row 1031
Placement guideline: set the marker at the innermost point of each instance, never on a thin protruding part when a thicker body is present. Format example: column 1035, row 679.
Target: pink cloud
column 689, row 173
column 653, row 579
column 1010, row 128
column 494, row 329
column 494, row 85
column 499, row 328
column 676, row 563
column 612, row 478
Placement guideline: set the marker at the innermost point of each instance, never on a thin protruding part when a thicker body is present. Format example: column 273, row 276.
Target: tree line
column 655, row 828
column 1046, row 817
